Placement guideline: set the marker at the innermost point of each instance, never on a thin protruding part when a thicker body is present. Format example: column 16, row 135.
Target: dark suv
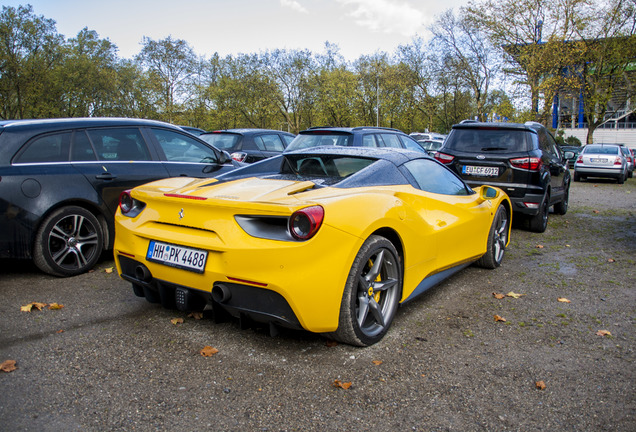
column 249, row 145
column 522, row 159
column 60, row 181
column 362, row 136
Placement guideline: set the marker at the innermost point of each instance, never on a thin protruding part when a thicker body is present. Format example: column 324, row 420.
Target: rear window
column 483, row 140
column 223, row 141
column 304, row 141
column 597, row 149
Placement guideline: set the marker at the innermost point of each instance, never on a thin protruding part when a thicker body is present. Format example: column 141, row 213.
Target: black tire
column 539, row 222
column 577, row 177
column 497, row 239
column 561, row 207
column 621, row 179
column 371, row 295
column 69, row 242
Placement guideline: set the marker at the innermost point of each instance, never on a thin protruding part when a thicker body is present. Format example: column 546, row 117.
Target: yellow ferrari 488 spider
column 330, row 240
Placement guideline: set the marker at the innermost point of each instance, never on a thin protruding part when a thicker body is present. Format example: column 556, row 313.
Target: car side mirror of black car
column 569, row 155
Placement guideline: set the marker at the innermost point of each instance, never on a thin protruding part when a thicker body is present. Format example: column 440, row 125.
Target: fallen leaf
column 563, row 300
column 30, row 306
column 196, row 315
column 611, row 260
column 498, row 296
column 603, row 333
column 60, row 331
column 331, row 343
column 108, row 270
column 514, row 295
column 343, row 385
column 499, row 318
column 540, row 385
column 208, row 351
column 176, row 321
column 596, row 211
column 55, row 306
column 377, row 362
column 8, row 366
column 539, row 246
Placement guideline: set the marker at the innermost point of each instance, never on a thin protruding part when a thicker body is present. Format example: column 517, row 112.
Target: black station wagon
column 60, row 181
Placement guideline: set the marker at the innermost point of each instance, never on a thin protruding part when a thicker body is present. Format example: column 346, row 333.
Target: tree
column 29, row 52
column 170, row 64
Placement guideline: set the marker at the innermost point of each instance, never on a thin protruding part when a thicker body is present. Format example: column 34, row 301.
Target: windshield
column 309, row 140
column 223, row 141
column 479, row 140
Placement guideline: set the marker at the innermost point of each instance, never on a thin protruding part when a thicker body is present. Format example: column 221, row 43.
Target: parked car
column 60, row 181
column 630, row 160
column 249, row 145
column 328, row 239
column 574, row 150
column 361, row 136
column 521, row 159
column 431, row 147
column 193, row 130
column 601, row 160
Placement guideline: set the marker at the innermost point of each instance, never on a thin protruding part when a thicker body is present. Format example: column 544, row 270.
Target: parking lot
column 108, row 360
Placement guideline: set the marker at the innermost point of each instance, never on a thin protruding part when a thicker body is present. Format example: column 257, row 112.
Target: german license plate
column 177, row 256
column 598, row 160
column 480, row 170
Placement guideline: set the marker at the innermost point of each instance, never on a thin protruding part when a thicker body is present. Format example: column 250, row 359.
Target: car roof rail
column 376, row 128
column 468, row 121
column 532, row 123
column 320, row 127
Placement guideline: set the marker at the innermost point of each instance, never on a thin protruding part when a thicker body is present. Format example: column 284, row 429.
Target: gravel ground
column 111, row 361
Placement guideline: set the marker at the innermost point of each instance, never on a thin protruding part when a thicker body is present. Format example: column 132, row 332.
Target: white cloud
column 293, row 5
column 386, row 16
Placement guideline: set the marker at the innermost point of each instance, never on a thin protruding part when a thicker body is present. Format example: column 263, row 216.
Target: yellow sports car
column 330, row 240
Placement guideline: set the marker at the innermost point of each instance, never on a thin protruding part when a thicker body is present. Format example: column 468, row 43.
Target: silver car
column 601, row 160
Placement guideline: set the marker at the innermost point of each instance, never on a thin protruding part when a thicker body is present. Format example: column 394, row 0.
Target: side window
column 410, row 143
column 434, row 178
column 272, row 143
column 119, row 144
column 81, row 148
column 391, row 140
column 288, row 139
column 182, row 148
column 369, row 141
column 48, row 148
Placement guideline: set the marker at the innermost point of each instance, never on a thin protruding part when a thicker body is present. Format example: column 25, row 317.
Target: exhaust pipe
column 221, row 293
column 142, row 273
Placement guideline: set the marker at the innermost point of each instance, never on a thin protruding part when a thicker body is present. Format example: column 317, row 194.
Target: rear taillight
column 305, row 223
column 579, row 159
column 444, row 158
column 239, row 156
column 618, row 161
column 128, row 205
column 527, row 163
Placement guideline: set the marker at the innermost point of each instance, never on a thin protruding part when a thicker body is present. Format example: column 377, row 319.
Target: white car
column 601, row 160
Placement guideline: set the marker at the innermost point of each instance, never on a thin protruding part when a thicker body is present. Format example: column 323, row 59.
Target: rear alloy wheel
column 371, row 295
column 497, row 240
column 69, row 242
column 539, row 222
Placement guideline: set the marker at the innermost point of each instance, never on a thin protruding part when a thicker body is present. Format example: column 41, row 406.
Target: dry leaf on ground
column 343, row 385
column 55, row 306
column 514, row 294
column 8, row 366
column 498, row 296
column 377, row 362
column 499, row 318
column 208, row 351
column 29, row 307
column 563, row 300
column 603, row 333
column 176, row 321
column 540, row 385
column 196, row 315
column 108, row 270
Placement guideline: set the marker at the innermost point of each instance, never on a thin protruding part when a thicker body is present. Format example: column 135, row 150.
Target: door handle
column 105, row 176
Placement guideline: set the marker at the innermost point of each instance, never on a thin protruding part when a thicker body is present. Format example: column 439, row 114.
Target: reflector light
column 185, row 196
column 246, row 281
column 531, row 205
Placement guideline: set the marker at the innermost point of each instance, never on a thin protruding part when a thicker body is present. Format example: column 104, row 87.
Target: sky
column 357, row 27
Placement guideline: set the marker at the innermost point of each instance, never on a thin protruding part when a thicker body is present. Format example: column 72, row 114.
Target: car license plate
column 177, row 256
column 598, row 160
column 480, row 170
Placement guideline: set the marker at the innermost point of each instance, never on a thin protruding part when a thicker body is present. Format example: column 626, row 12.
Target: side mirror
column 569, row 155
column 487, row 193
column 224, row 157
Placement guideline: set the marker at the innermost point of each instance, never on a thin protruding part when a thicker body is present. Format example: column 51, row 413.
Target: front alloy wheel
column 371, row 295
column 69, row 242
column 497, row 240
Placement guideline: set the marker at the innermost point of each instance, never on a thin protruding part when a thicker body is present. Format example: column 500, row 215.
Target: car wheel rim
column 72, row 242
column 378, row 286
column 501, row 236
